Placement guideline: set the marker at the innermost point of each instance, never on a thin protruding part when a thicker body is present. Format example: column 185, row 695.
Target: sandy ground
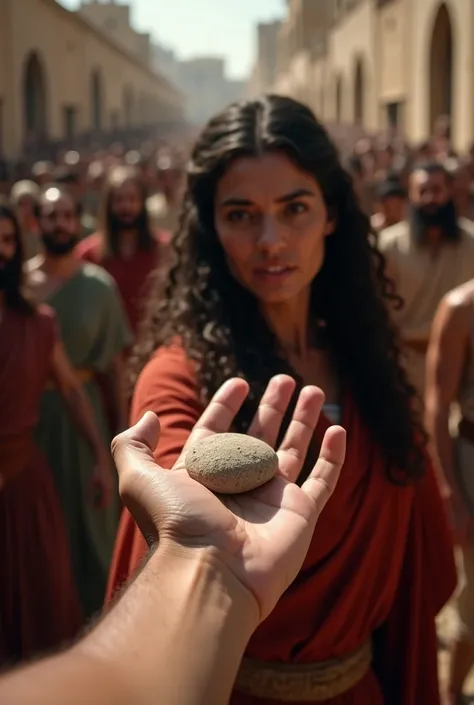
column 446, row 626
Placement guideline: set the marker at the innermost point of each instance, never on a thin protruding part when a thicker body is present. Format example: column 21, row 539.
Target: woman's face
column 272, row 221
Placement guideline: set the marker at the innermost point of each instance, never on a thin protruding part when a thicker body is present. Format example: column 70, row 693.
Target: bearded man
column 94, row 330
column 427, row 255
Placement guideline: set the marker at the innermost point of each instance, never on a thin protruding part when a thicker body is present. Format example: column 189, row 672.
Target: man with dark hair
column 69, row 179
column 126, row 245
column 95, row 333
column 392, row 201
column 427, row 255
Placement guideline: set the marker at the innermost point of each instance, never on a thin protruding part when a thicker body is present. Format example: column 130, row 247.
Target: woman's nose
column 271, row 236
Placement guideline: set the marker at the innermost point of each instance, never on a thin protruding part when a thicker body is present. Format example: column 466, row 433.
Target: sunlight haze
column 204, row 27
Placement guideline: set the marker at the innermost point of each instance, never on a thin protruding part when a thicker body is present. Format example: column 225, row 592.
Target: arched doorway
column 441, row 67
column 359, row 90
column 339, row 98
column 34, row 101
column 97, row 100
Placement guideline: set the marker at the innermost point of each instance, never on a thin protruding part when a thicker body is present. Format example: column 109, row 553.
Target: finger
column 141, row 439
column 293, row 450
column 323, row 479
column 132, row 451
column 272, row 409
column 220, row 412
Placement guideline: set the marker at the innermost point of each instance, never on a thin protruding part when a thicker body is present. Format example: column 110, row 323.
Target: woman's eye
column 238, row 216
column 296, row 208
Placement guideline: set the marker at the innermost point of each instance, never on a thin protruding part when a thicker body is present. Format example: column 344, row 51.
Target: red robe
column 131, row 274
column 380, row 564
column 39, row 606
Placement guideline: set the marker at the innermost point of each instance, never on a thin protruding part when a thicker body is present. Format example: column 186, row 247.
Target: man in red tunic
column 125, row 245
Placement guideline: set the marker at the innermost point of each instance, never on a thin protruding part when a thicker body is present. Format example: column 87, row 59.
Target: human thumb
column 132, row 451
column 143, row 436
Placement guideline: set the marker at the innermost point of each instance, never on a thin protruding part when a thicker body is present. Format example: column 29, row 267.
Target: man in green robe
column 95, row 332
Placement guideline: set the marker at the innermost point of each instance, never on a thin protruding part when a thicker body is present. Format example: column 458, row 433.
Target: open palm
column 261, row 536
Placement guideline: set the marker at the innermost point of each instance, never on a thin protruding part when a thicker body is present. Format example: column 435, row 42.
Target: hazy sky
column 196, row 27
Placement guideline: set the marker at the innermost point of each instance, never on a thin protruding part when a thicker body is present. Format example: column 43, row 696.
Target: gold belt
column 83, row 375
column 309, row 682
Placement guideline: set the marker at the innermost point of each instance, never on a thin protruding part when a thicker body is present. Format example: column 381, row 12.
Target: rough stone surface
column 231, row 463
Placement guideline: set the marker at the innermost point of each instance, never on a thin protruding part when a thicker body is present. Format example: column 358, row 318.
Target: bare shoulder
column 454, row 316
column 461, row 298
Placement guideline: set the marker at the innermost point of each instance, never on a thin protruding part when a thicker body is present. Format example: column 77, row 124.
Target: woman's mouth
column 274, row 272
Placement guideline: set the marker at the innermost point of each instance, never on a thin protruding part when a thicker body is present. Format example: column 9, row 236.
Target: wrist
column 211, row 570
column 184, row 607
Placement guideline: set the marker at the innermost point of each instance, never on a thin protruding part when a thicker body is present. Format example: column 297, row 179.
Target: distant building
column 165, row 61
column 380, row 64
column 61, row 80
column 202, row 80
column 264, row 70
column 114, row 20
column 207, row 87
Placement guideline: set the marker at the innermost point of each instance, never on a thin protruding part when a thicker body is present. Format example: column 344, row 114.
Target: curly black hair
column 216, row 319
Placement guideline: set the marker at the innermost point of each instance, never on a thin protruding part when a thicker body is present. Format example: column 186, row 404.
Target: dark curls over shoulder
column 218, row 321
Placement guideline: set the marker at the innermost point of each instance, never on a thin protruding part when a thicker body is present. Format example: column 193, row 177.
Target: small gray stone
column 231, row 463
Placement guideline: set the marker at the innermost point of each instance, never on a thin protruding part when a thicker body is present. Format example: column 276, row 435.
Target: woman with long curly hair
column 276, row 272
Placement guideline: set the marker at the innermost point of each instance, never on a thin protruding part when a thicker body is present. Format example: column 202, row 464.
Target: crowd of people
column 132, row 284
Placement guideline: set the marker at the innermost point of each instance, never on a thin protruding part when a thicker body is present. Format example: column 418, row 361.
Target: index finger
column 220, row 412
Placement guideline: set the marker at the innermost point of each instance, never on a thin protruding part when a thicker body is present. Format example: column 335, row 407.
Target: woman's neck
column 289, row 321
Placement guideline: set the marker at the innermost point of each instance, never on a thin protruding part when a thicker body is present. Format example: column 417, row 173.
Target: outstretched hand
column 263, row 536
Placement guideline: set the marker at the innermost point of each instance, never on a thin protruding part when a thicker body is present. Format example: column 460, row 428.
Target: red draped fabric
column 380, row 565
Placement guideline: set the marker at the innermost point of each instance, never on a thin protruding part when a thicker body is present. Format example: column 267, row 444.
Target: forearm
column 118, row 384
column 442, row 445
column 202, row 621
column 82, row 412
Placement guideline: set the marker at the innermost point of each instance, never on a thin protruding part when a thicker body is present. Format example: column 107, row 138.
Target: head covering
column 25, row 187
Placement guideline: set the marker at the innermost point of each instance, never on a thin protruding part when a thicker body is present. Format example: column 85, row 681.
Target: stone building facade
column 381, row 63
column 62, row 78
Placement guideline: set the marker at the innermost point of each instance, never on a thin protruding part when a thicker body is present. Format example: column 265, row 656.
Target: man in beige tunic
column 427, row 255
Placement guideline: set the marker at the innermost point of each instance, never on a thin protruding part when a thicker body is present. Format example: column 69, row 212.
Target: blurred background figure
column 391, row 203
column 39, row 606
column 24, row 198
column 462, row 187
column 126, row 244
column 163, row 205
column 42, row 173
column 95, row 334
column 428, row 254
